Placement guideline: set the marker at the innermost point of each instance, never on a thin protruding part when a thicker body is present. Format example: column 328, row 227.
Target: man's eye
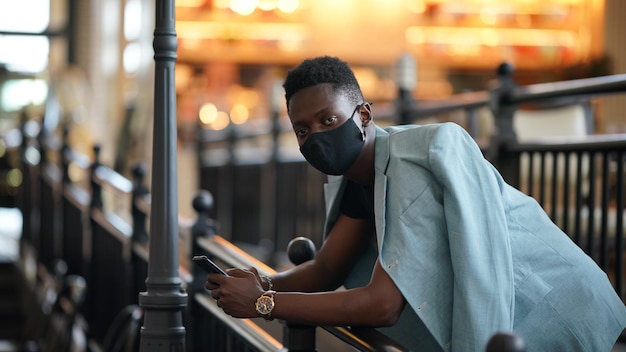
column 301, row 132
column 330, row 120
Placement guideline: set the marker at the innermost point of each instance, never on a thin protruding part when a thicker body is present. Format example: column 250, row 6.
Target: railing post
column 506, row 342
column 96, row 189
column 28, row 195
column 272, row 211
column 66, row 155
column 203, row 227
column 164, row 301
column 140, row 234
column 503, row 110
column 504, row 133
column 299, row 338
column 406, row 79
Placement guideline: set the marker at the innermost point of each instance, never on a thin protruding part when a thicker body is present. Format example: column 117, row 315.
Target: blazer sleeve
column 475, row 212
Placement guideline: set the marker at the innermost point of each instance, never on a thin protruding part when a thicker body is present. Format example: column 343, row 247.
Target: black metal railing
column 580, row 184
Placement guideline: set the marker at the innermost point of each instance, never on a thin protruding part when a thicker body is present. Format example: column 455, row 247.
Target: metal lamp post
column 163, row 301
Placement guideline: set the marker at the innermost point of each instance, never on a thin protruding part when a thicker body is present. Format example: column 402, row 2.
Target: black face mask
column 333, row 152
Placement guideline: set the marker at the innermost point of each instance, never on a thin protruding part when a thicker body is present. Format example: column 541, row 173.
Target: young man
column 416, row 215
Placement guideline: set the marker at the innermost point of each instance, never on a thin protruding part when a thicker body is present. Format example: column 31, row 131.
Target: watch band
column 270, row 283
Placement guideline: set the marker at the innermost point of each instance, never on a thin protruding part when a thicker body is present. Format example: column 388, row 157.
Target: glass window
column 24, row 53
column 30, row 16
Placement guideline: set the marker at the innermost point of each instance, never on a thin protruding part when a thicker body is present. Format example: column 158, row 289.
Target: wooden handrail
column 586, row 143
column 107, row 176
column 461, row 101
column 594, row 86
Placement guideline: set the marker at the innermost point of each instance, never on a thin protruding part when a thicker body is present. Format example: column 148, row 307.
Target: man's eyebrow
column 322, row 111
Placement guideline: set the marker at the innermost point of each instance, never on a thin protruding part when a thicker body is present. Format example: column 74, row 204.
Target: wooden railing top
column 107, row 176
column 467, row 100
column 594, row 86
column 232, row 255
column 588, row 143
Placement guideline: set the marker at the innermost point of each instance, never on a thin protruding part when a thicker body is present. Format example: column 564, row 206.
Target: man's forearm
column 306, row 277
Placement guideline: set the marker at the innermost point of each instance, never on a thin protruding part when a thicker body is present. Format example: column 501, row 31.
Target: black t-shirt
column 358, row 201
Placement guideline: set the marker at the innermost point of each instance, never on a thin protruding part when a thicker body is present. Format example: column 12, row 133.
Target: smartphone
column 207, row 264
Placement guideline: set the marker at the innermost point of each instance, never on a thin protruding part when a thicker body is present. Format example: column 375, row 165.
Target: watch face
column 264, row 305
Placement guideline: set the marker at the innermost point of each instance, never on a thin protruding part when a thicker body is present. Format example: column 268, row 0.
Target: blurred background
column 95, row 57
column 77, row 109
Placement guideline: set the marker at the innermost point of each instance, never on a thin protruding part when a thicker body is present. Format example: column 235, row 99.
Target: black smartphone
column 207, row 264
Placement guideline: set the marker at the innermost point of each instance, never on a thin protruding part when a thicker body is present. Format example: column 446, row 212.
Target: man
column 416, row 215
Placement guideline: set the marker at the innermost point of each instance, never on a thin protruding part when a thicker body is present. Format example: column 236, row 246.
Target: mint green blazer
column 472, row 255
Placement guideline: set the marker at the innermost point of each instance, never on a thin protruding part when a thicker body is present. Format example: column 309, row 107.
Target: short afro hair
column 323, row 69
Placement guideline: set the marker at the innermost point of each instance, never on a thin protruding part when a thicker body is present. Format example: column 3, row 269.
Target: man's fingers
column 239, row 272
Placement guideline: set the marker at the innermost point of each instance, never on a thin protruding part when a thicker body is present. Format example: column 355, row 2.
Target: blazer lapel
column 381, row 161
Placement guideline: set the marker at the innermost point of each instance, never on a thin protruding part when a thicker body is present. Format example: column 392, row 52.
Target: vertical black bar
column 531, row 174
column 140, row 190
column 619, row 225
column 542, row 180
column 579, row 200
column 72, row 32
column 555, row 184
column 566, row 190
column 163, row 300
column 591, row 204
column 405, row 101
column 472, row 122
column 204, row 227
column 604, row 219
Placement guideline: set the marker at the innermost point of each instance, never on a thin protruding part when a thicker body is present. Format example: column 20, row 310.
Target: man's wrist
column 269, row 283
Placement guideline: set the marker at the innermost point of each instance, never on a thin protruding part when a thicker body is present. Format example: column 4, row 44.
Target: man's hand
column 237, row 293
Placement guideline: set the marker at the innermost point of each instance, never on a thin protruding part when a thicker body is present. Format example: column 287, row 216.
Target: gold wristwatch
column 265, row 304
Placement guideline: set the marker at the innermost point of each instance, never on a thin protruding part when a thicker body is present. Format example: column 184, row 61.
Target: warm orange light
column 212, row 118
column 268, row 5
column 238, row 95
column 221, row 4
column 490, row 37
column 478, row 36
column 288, row 6
column 189, row 3
column 415, row 35
column 489, row 15
column 416, row 6
column 241, row 31
column 208, row 113
column 239, row 114
column 222, row 121
column 243, row 7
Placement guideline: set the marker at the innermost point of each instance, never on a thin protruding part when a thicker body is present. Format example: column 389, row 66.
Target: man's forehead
column 314, row 97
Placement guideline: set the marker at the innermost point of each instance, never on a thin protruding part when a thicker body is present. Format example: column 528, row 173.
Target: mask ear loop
column 363, row 135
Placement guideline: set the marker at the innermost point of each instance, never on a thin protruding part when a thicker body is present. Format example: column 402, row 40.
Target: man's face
column 317, row 109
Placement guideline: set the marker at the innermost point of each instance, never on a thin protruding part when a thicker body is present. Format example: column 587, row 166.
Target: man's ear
column 365, row 111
